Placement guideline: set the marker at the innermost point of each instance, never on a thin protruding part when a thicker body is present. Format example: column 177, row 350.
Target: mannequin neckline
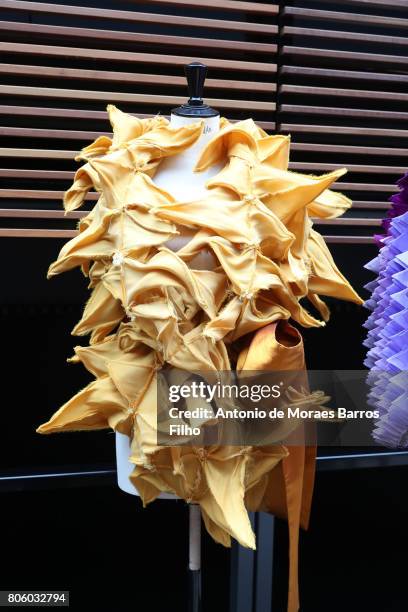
column 224, row 162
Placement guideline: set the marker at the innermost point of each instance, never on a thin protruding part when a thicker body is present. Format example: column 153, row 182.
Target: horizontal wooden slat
column 341, row 35
column 362, row 204
column 257, row 8
column 364, row 187
column 321, row 167
column 335, row 73
column 37, row 153
column 36, row 174
column 36, row 233
column 354, row 18
column 375, row 4
column 346, row 221
column 67, row 134
column 24, row 213
column 34, row 194
column 355, row 56
column 62, row 113
column 337, row 129
column 136, row 16
column 395, row 96
column 130, row 77
column 339, row 111
column 35, row 29
column 349, row 239
column 133, row 57
column 112, row 96
column 349, row 149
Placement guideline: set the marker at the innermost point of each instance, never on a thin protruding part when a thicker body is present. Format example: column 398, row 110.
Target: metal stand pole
column 194, row 561
column 252, row 571
column 242, row 576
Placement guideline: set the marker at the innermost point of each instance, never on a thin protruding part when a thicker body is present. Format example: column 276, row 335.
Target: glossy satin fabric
column 150, row 308
column 289, row 487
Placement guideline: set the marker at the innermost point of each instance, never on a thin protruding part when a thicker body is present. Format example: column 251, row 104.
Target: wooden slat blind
column 61, row 65
column 342, row 95
column 331, row 74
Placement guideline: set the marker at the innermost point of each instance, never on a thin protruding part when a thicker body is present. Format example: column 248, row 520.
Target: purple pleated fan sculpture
column 387, row 325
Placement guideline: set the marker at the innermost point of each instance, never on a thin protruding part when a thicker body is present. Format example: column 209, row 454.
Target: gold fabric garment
column 150, row 309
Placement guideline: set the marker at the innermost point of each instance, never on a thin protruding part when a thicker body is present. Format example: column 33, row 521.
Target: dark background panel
column 352, row 556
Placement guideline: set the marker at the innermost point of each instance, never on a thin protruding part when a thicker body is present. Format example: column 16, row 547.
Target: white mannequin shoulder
column 175, row 174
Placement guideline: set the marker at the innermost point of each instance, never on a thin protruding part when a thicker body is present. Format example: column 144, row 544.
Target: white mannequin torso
column 175, row 175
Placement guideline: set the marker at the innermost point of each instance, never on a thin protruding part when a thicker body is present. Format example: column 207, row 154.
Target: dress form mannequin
column 175, row 175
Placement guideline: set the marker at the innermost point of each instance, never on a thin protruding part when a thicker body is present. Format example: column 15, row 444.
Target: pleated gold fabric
column 149, row 308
